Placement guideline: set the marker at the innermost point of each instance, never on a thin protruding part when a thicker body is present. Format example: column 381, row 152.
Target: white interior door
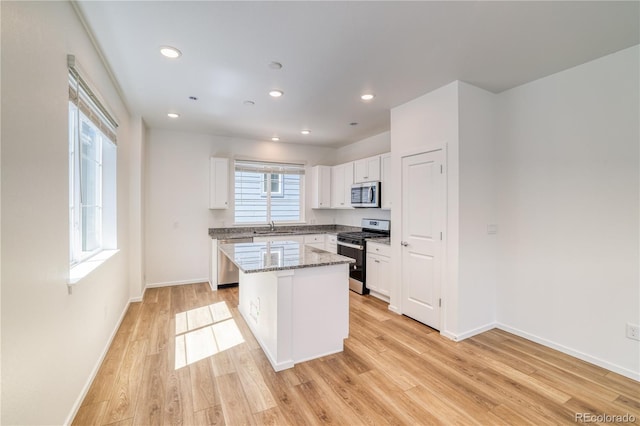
column 423, row 211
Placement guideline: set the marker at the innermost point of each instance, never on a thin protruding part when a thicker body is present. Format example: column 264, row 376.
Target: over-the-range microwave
column 366, row 194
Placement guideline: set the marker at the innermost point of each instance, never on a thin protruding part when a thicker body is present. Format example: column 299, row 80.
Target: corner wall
column 52, row 341
column 568, row 208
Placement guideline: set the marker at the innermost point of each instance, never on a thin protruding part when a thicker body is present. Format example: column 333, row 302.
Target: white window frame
column 86, row 110
column 268, row 169
column 268, row 183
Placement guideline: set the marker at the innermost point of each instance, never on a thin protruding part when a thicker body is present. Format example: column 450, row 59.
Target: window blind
column 88, row 103
column 266, row 192
column 268, row 167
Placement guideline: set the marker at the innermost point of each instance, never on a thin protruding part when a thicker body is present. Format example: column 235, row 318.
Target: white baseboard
column 96, row 368
column 394, row 309
column 569, row 351
column 171, row 283
column 475, row 331
column 470, row 333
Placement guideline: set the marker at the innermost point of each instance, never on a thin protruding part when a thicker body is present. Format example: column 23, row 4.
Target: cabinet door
column 331, row 243
column 360, row 171
column 321, row 187
column 315, row 240
column 384, row 275
column 337, row 187
column 373, row 275
column 373, row 168
column 367, row 169
column 385, row 180
column 218, row 183
column 341, row 181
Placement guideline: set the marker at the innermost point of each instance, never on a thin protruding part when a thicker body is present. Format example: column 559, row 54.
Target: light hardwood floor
column 393, row 371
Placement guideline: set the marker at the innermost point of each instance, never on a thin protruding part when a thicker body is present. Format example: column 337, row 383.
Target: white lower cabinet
column 331, row 243
column 379, row 270
column 314, row 240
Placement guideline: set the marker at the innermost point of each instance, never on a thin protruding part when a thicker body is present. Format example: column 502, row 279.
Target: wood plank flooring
column 184, row 356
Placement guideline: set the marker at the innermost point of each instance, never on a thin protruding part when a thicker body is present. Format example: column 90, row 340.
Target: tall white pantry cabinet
column 218, row 183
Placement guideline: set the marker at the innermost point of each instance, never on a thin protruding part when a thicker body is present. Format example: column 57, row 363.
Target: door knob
column 404, row 243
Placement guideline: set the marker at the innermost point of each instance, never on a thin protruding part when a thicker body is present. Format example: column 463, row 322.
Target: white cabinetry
column 321, row 187
column 367, row 169
column 315, row 240
column 379, row 270
column 218, row 183
column 385, row 179
column 341, row 181
column 331, row 243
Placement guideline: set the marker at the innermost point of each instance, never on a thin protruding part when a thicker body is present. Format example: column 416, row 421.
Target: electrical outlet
column 633, row 331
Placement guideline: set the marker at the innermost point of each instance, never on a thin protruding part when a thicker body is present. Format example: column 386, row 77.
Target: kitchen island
column 294, row 298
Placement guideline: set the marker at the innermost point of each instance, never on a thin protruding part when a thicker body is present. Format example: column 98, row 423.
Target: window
column 266, row 192
column 92, row 174
column 276, row 184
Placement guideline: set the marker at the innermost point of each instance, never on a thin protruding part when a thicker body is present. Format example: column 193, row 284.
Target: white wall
column 51, row 340
column 374, row 145
column 477, row 249
column 136, row 207
column 424, row 124
column 177, row 206
column 568, row 211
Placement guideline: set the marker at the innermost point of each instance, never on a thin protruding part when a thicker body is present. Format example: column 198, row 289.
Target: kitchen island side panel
column 297, row 315
column 320, row 311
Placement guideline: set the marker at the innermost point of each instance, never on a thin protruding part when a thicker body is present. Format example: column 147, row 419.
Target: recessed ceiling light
column 170, row 52
column 248, row 103
column 305, row 131
column 275, row 139
column 173, row 115
column 367, row 96
column 275, row 65
column 276, row 93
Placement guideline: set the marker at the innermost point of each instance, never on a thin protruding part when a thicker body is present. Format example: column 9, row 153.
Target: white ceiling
column 331, row 53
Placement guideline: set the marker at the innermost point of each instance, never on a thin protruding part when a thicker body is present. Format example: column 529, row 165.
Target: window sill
column 81, row 270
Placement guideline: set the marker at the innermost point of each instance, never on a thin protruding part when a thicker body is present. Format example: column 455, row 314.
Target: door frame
column 444, row 194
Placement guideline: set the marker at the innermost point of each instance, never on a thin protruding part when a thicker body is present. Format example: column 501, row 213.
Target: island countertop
column 279, row 256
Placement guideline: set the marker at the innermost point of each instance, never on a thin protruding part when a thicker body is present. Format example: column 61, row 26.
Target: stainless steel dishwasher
column 227, row 271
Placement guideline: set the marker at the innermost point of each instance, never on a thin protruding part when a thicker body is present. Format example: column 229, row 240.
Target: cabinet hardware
column 404, row 243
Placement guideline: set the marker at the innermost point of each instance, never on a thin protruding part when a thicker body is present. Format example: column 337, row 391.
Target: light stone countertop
column 264, row 231
column 279, row 256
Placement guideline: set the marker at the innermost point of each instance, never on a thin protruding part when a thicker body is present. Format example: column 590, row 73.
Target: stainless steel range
column 353, row 245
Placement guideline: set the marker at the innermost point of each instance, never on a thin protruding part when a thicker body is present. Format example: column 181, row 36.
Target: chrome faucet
column 272, row 226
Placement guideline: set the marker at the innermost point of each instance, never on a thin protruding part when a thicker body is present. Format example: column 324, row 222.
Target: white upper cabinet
column 341, row 181
column 367, row 169
column 321, row 187
column 218, row 183
column 385, row 160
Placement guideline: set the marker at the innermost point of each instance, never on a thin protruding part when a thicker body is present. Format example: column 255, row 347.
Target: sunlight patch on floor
column 203, row 332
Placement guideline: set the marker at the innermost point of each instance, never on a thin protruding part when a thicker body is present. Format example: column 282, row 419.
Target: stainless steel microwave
column 366, row 194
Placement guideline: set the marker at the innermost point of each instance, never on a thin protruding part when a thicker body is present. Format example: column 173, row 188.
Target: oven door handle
column 357, row 247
